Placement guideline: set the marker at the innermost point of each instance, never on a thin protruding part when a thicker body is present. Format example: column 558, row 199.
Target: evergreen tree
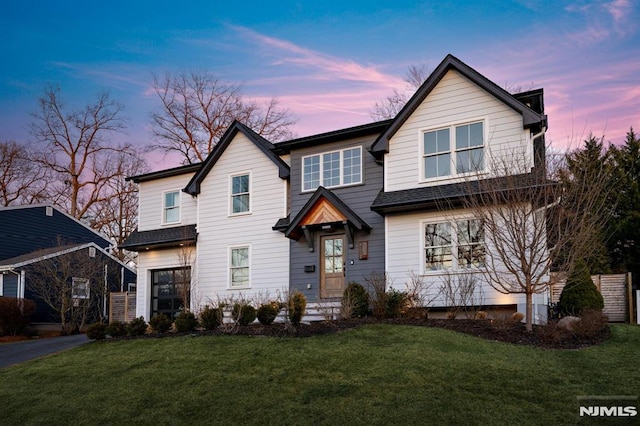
column 624, row 245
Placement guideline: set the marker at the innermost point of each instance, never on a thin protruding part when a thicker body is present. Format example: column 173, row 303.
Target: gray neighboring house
column 33, row 234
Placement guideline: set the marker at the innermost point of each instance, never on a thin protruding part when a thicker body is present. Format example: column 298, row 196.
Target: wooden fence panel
column 122, row 306
column 614, row 292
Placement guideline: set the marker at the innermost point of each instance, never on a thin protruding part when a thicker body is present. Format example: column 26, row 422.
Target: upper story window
column 171, row 207
column 454, row 245
column 331, row 169
column 240, row 194
column 459, row 148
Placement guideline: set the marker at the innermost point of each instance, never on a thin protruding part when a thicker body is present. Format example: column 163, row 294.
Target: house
column 315, row 213
column 37, row 238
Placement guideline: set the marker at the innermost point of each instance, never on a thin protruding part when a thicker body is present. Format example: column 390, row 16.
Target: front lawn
column 376, row 374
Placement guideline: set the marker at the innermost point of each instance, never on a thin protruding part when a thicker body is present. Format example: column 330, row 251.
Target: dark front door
column 332, row 264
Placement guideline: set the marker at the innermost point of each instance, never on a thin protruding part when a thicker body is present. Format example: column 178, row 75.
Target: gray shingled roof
column 442, row 197
column 157, row 238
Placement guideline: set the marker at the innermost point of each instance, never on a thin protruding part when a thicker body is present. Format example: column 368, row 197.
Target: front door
column 332, row 264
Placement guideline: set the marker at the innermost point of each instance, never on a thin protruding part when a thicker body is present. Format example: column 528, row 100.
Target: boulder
column 568, row 322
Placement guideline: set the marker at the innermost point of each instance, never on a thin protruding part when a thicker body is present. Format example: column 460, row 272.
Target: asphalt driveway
column 17, row 352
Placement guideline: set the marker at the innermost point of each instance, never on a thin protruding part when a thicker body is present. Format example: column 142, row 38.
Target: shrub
column 160, row 323
column 97, row 331
column 517, row 316
column 116, row 329
column 15, row 314
column 267, row 312
column 357, row 298
column 592, row 322
column 185, row 322
column 481, row 315
column 297, row 305
column 243, row 313
column 579, row 293
column 395, row 303
column 137, row 327
column 210, row 318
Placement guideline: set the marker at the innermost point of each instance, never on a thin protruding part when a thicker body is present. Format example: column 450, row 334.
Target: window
column 465, row 154
column 240, row 195
column 171, row 207
column 168, row 289
column 239, row 267
column 331, row 169
column 79, row 288
column 463, row 237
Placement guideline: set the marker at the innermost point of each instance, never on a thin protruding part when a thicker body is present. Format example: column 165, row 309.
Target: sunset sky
column 326, row 61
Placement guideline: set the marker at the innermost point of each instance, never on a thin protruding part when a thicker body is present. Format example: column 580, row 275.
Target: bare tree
column 390, row 106
column 22, row 181
column 116, row 216
column 534, row 223
column 71, row 284
column 76, row 149
column 196, row 110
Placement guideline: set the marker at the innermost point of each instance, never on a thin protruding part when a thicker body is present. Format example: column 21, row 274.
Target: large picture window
column 465, row 153
column 170, row 291
column 465, row 238
column 332, row 169
column 240, row 194
column 171, row 207
column 239, row 267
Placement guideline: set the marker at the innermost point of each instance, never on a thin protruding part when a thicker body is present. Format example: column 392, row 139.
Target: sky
column 326, row 61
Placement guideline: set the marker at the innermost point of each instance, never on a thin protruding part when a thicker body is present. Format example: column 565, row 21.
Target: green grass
column 379, row 374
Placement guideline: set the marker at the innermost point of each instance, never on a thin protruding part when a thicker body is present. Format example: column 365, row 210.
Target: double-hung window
column 464, row 238
column 171, row 207
column 239, row 267
column 457, row 148
column 332, row 169
column 240, row 194
column 79, row 288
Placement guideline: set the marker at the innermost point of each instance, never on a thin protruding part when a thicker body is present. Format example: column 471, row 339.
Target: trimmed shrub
column 297, row 305
column 211, row 318
column 116, row 329
column 580, row 293
column 592, row 322
column 267, row 312
column 357, row 298
column 97, row 331
column 137, row 327
column 243, row 313
column 517, row 316
column 160, row 323
column 395, row 303
column 15, row 315
column 185, row 322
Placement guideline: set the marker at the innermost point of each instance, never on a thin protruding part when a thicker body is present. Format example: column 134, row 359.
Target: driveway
column 17, row 352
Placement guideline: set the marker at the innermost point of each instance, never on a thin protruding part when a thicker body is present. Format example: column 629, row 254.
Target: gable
column 26, row 229
column 265, row 147
column 530, row 118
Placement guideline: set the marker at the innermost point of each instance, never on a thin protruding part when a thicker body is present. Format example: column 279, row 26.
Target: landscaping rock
column 568, row 323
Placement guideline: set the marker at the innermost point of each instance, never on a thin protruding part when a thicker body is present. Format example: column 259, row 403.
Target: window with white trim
column 464, row 238
column 332, row 169
column 171, row 207
column 464, row 154
column 79, row 288
column 239, row 271
column 240, row 194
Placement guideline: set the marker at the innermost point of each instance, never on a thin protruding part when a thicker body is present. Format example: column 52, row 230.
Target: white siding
column 151, row 202
column 147, row 262
column 405, row 247
column 455, row 100
column 218, row 230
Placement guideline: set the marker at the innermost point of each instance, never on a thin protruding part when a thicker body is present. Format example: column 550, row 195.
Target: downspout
column 104, row 296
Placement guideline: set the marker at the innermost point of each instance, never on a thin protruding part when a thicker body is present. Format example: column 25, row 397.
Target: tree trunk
column 529, row 311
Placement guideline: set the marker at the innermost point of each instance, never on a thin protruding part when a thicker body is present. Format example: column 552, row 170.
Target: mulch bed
column 548, row 337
